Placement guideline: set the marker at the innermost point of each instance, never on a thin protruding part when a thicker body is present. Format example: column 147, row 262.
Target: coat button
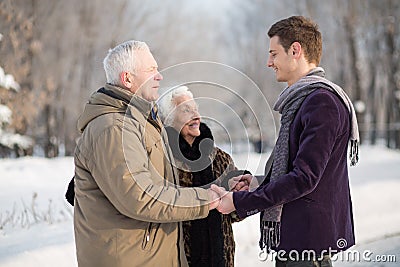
column 252, row 212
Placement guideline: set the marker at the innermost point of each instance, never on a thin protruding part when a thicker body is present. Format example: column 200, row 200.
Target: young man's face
column 147, row 78
column 282, row 62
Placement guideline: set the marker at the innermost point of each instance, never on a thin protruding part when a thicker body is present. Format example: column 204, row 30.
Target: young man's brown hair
column 302, row 30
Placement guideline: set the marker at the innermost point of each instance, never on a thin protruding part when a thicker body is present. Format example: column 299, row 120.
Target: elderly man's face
column 187, row 118
column 147, row 79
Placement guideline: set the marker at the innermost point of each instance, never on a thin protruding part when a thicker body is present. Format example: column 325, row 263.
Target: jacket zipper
column 147, row 236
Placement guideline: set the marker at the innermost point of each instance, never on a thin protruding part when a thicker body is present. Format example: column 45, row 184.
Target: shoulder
column 112, row 128
column 323, row 107
column 108, row 120
column 221, row 156
column 325, row 98
column 323, row 102
column 102, row 124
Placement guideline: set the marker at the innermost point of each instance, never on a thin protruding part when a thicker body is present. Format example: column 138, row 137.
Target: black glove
column 70, row 194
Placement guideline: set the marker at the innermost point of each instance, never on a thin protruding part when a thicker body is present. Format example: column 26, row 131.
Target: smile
column 194, row 125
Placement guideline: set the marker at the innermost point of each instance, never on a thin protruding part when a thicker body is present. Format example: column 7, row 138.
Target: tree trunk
column 51, row 143
column 356, row 92
column 373, row 105
column 393, row 107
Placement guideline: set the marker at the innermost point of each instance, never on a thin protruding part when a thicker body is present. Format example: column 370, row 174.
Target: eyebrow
column 187, row 105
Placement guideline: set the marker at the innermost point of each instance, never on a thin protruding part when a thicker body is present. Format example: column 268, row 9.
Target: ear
column 126, row 79
column 296, row 50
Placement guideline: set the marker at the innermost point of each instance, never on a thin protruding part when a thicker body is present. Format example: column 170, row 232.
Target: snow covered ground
column 36, row 223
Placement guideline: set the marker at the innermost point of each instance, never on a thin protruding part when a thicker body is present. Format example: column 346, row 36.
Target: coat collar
column 132, row 99
column 202, row 146
column 114, row 99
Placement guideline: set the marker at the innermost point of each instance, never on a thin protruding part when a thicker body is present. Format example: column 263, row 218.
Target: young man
column 306, row 210
column 128, row 207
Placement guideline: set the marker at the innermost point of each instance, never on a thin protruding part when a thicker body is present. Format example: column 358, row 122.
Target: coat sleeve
column 321, row 120
column 122, row 171
column 224, row 168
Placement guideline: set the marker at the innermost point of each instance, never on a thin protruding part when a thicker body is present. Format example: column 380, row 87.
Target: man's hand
column 226, row 204
column 243, row 183
column 214, row 199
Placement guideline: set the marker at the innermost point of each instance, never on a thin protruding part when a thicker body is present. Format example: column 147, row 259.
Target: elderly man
column 128, row 206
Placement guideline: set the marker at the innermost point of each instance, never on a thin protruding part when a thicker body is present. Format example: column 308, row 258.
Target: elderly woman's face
column 187, row 118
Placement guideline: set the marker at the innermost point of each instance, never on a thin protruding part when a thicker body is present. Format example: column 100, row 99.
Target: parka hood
column 110, row 99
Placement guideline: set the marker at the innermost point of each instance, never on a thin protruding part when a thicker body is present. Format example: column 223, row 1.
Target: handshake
column 221, row 199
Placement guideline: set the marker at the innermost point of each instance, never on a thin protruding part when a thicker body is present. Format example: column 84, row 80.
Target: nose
column 195, row 115
column 158, row 76
column 270, row 62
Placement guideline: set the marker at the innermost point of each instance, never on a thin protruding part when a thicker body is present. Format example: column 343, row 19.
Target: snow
column 11, row 139
column 5, row 115
column 7, row 81
column 39, row 231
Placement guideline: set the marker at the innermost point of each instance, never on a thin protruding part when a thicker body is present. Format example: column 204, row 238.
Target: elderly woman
column 208, row 241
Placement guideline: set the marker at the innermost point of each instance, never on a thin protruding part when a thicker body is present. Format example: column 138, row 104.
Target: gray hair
column 122, row 58
column 167, row 105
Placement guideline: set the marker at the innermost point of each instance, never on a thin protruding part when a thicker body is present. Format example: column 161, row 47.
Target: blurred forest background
column 51, row 56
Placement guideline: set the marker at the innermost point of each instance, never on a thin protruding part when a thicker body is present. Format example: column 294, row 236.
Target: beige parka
column 128, row 207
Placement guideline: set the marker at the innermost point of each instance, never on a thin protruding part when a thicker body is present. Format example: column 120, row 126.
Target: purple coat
column 317, row 210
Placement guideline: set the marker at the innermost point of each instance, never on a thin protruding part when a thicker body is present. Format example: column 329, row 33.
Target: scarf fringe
column 353, row 152
column 270, row 235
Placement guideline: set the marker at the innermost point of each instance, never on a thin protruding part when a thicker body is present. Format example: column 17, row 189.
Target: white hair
column 167, row 105
column 122, row 58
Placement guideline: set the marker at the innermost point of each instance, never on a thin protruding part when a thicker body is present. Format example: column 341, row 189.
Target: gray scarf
column 288, row 103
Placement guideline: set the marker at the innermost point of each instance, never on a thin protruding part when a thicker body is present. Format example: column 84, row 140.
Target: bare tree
column 393, row 104
column 17, row 48
column 350, row 22
column 54, row 49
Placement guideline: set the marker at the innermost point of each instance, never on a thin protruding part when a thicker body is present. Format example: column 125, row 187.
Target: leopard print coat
column 222, row 163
